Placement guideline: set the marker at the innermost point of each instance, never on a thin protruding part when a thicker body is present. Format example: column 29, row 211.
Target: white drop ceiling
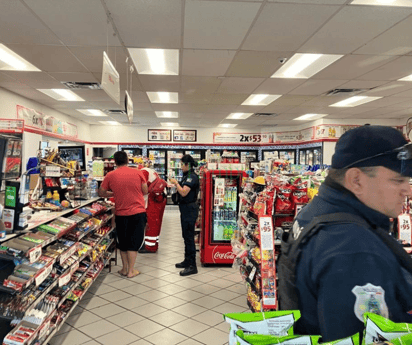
column 228, row 50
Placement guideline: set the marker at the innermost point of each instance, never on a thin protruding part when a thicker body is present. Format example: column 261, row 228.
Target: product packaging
column 258, row 339
column 353, row 340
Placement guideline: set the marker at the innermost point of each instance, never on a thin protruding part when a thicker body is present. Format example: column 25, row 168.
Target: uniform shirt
column 340, row 258
column 126, row 184
column 191, row 180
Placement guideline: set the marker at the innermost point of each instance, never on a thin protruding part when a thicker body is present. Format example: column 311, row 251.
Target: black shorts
column 130, row 231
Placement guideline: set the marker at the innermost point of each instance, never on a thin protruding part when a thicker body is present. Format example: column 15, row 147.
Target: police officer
column 339, row 261
column 188, row 190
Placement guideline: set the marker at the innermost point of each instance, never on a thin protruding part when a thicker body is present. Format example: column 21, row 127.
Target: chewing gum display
column 258, row 339
column 276, row 323
column 353, row 340
column 378, row 328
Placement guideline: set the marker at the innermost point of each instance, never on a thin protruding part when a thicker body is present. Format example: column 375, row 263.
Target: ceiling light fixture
column 62, row 95
column 111, row 123
column 167, row 114
column 310, row 117
column 304, row 66
column 155, row 61
column 354, row 101
column 169, row 124
column 10, row 61
column 260, row 99
column 163, row 97
column 239, row 116
column 228, row 125
column 407, row 78
column 91, row 112
column 399, row 3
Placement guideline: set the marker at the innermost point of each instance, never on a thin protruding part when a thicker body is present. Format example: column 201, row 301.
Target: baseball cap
column 369, row 146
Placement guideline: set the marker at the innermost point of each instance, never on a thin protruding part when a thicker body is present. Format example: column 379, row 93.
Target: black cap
column 357, row 148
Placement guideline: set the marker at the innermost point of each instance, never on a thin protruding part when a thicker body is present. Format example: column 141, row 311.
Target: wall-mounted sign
column 128, row 103
column 32, row 118
column 110, row 79
column 159, row 135
column 242, row 138
column 185, row 135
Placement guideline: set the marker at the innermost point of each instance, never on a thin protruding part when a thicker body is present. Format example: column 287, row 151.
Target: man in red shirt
column 128, row 187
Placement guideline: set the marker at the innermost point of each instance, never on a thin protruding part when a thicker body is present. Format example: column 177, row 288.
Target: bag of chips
column 353, row 340
column 276, row 323
column 300, row 194
column 283, row 202
column 259, row 339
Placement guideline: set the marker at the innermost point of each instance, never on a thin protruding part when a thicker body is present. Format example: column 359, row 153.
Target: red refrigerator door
column 219, row 222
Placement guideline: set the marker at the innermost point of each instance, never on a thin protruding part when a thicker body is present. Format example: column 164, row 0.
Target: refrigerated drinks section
column 158, row 157
column 225, row 216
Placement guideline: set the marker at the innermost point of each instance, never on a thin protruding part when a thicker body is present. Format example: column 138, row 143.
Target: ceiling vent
column 265, row 114
column 345, row 92
column 74, row 85
column 115, row 112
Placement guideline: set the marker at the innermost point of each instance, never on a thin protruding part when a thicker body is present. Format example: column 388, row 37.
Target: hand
column 173, row 181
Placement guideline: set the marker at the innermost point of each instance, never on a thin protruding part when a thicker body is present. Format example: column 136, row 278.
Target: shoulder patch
column 189, row 180
column 296, row 229
column 370, row 299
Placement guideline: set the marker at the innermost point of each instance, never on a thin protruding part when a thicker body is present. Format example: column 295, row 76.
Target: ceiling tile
column 199, row 84
column 195, row 98
column 217, row 25
column 256, row 64
column 318, row 2
column 276, row 28
column 407, row 93
column 94, row 95
column 148, row 24
column 250, row 109
column 228, row 98
column 79, row 77
column 323, row 101
column 6, row 78
column 362, row 84
column 352, row 27
column 353, row 66
column 394, row 70
column 49, row 58
column 239, row 85
column 316, row 87
column 36, row 80
column 385, row 102
column 292, row 100
column 305, row 109
column 139, row 97
column 206, row 62
column 134, row 83
column 168, row 83
column 278, row 86
column 70, row 20
column 395, row 41
column 19, row 25
column 389, row 89
column 278, row 109
column 221, row 108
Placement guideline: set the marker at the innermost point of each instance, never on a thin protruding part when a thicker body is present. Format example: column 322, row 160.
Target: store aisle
column 158, row 306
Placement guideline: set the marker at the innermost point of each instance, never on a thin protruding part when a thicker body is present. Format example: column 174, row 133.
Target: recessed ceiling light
column 239, row 116
column 305, row 65
column 155, row 61
column 407, row 78
column 111, row 123
column 260, row 99
column 10, row 61
column 62, row 95
column 163, row 97
column 91, row 112
column 169, row 124
column 310, row 117
column 354, row 101
column 228, row 125
column 167, row 114
column 399, row 3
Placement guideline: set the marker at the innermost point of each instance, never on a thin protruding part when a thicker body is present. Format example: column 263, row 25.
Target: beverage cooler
column 288, row 155
column 220, row 205
column 197, row 155
column 310, row 156
column 158, row 157
column 174, row 168
column 134, row 151
column 248, row 156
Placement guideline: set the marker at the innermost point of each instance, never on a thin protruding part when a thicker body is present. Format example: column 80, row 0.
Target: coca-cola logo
column 224, row 256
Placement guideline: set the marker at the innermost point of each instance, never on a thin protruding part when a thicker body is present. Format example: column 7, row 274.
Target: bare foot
column 123, row 272
column 133, row 274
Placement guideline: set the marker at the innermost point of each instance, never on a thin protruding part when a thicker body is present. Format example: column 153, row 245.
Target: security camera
column 282, row 60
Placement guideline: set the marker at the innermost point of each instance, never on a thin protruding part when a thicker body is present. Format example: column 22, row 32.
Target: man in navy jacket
column 352, row 266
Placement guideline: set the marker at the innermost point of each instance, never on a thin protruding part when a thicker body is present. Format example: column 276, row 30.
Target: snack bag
column 300, row 194
column 276, row 323
column 378, row 328
column 283, row 202
column 259, row 339
column 353, row 340
column 404, row 340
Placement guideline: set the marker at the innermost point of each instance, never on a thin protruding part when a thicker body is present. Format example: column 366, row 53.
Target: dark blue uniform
column 340, row 261
column 188, row 215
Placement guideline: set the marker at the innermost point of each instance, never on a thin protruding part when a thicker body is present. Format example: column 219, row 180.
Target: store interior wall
column 328, row 150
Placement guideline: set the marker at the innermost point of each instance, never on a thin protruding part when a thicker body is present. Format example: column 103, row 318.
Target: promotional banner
column 110, row 79
column 249, row 138
column 159, row 135
column 282, row 137
column 184, row 135
column 129, row 107
column 327, row 132
column 31, row 117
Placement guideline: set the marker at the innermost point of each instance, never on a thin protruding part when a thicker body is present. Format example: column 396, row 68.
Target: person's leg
column 125, row 268
column 131, row 260
column 185, row 262
column 189, row 234
column 121, row 224
column 137, row 224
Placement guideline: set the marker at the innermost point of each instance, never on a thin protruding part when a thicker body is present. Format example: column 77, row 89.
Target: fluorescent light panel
column 110, row 123
column 167, row 114
column 397, row 3
column 62, row 95
column 354, row 101
column 310, row 117
column 227, row 125
column 239, row 116
column 91, row 112
column 155, row 61
column 169, row 124
column 260, row 99
column 163, row 97
column 407, row 78
column 304, row 66
column 10, row 61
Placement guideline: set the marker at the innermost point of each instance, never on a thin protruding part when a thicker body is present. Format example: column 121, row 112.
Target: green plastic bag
column 277, row 323
column 353, row 340
column 404, row 340
column 378, row 328
column 258, row 339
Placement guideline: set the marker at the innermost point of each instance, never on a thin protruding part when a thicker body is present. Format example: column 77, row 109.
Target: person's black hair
column 189, row 159
column 120, row 158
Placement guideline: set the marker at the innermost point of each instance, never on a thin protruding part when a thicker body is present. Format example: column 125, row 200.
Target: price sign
column 405, row 228
column 43, row 331
column 44, row 274
column 34, row 254
column 68, row 253
column 63, row 280
column 74, row 267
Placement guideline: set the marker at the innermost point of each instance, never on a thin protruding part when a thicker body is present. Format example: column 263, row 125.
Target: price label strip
column 63, row 280
column 68, row 253
column 34, row 254
column 44, row 274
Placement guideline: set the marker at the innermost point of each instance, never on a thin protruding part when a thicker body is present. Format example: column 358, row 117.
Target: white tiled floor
column 158, row 306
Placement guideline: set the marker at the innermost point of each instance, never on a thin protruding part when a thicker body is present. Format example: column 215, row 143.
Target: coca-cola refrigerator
column 220, row 208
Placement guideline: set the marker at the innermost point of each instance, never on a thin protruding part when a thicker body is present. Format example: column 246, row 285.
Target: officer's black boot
column 188, row 271
column 182, row 264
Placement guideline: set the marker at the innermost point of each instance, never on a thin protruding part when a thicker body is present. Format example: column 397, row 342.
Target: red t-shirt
column 126, row 184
